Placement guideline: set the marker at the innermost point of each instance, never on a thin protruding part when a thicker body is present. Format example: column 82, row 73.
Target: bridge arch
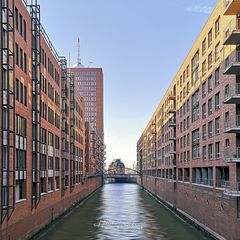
column 126, row 168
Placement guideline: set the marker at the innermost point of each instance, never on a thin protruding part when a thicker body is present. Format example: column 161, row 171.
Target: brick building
column 89, row 85
column 42, row 122
column 189, row 153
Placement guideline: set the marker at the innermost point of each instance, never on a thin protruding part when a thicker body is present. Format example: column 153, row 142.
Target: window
column 204, row 132
column 17, row 89
column 204, row 89
column 210, row 106
column 17, row 54
column 57, row 120
column 210, row 151
column 227, row 120
column 21, row 92
column 210, row 38
column 227, row 143
column 16, row 18
column 217, row 150
column 210, row 129
column 210, row 60
column 21, row 24
column 227, row 91
column 217, row 52
column 50, row 162
column 188, row 139
column 21, row 58
column 204, row 152
column 210, row 85
column 20, row 190
column 50, row 139
column 51, row 116
column 21, row 159
column 217, row 126
column 204, row 68
column 25, row 96
column 195, row 144
column 57, row 164
column 24, row 30
column 195, row 66
column 25, row 63
column 43, row 184
column 217, row 77
column 217, row 27
column 204, row 111
column 21, row 126
column 204, row 46
column 43, row 136
column 57, row 142
column 195, row 106
column 217, row 101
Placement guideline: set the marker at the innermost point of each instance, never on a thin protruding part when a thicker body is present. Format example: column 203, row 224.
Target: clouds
column 199, row 9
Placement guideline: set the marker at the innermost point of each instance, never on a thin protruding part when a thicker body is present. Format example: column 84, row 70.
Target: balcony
column 232, row 33
column 232, row 64
column 232, row 125
column 172, row 150
column 221, row 183
column 171, row 110
column 232, row 7
column 232, row 189
column 172, row 97
column 232, row 94
column 171, row 178
column 172, row 123
column 172, row 138
column 232, row 155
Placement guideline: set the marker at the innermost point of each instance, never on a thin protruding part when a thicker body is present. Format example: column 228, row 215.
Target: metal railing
column 233, row 26
column 172, row 150
column 232, row 154
column 221, row 183
column 232, row 91
column 172, row 136
column 232, row 122
column 180, row 178
column 232, row 59
column 172, row 122
column 171, row 178
column 203, row 181
column 232, row 188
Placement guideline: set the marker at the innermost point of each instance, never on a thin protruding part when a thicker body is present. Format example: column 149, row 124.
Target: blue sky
column 140, row 44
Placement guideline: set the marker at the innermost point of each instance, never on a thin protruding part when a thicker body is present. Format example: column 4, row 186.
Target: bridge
column 129, row 176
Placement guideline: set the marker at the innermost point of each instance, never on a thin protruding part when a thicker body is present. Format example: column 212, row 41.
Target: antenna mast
column 79, row 58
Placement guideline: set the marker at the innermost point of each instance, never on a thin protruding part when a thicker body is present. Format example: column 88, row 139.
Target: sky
column 140, row 44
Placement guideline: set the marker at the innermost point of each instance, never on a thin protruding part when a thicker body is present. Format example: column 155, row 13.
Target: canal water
column 121, row 212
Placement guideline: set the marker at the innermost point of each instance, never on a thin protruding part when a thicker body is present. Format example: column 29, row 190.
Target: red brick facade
column 43, row 171
column 189, row 152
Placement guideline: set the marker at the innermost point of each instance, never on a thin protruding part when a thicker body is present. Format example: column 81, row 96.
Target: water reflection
column 121, row 212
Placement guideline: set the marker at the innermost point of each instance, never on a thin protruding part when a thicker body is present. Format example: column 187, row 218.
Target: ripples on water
column 121, row 212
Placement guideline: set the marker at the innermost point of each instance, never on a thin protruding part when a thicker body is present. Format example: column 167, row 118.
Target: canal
column 121, row 212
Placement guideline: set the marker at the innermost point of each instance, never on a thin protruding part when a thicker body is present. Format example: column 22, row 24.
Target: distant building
column 116, row 167
column 89, row 85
